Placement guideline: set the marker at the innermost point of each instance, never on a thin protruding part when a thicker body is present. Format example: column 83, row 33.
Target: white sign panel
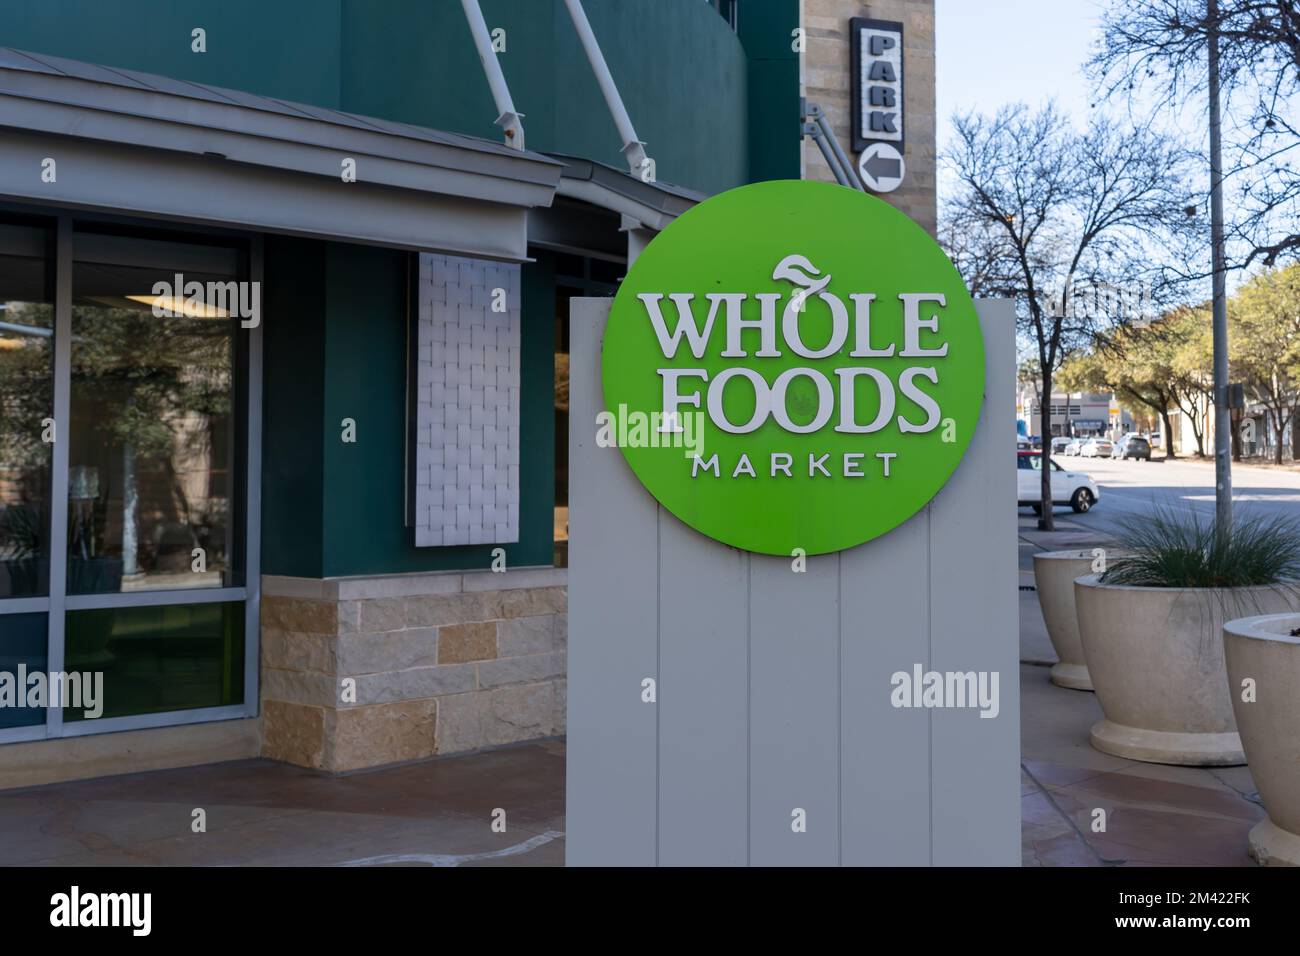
column 877, row 55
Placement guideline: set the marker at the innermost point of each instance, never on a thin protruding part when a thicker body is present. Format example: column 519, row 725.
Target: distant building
column 1078, row 414
column 1256, row 435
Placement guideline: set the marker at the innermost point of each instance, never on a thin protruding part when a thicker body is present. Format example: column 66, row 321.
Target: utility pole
column 1222, row 412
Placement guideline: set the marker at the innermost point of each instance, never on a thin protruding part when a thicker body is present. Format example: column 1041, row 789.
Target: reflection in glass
column 149, row 483
column 26, row 408
column 561, row 526
column 22, row 646
column 158, row 659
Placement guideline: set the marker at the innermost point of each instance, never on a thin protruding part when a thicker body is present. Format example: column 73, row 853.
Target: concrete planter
column 1054, row 574
column 1155, row 656
column 1262, row 649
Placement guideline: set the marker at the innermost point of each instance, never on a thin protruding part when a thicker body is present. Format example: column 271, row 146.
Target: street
column 1132, row 489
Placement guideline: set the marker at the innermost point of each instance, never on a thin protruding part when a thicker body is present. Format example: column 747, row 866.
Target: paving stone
column 458, row 643
column 382, row 734
column 513, row 670
column 299, row 687
column 522, row 712
column 526, row 635
column 382, row 614
column 415, row 683
column 300, row 616
column 391, row 651
column 294, row 733
column 460, row 723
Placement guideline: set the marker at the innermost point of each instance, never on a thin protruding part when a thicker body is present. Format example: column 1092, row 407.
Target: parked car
column 1132, row 446
column 1073, row 488
column 1073, row 447
column 1058, row 445
column 1097, row 448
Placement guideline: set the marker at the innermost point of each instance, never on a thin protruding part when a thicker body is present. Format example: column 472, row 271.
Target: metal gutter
column 652, row 204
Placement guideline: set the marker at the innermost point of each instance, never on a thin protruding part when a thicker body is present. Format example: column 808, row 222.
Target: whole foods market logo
column 818, row 350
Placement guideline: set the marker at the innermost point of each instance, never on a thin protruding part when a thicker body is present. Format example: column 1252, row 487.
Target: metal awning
column 605, row 212
column 651, row 204
column 131, row 142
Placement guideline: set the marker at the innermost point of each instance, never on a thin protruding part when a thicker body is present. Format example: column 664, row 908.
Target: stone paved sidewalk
column 1155, row 815
column 261, row 813
column 439, row 812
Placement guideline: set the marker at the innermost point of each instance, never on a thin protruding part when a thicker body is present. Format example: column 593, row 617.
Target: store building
column 1075, row 415
column 284, row 325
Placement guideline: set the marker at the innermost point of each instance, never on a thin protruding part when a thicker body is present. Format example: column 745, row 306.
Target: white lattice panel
column 466, row 463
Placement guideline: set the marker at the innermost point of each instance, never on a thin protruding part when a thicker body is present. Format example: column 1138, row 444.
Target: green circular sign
column 792, row 365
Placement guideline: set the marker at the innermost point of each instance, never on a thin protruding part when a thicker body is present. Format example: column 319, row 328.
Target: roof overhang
column 141, row 144
column 649, row 205
column 578, row 228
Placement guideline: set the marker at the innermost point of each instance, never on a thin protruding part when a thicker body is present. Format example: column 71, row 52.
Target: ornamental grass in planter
column 1151, row 628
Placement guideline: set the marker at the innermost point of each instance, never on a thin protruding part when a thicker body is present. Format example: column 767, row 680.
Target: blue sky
column 993, row 52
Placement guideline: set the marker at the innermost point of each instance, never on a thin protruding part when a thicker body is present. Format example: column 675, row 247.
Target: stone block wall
column 441, row 663
column 827, row 80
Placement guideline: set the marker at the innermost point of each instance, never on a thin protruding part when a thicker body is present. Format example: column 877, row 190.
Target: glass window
column 727, row 8
column 26, row 410
column 153, row 374
column 609, row 273
column 22, row 652
column 562, row 296
column 150, row 502
column 157, row 659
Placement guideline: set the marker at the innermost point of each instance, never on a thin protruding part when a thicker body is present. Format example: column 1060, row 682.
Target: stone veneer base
column 367, row 671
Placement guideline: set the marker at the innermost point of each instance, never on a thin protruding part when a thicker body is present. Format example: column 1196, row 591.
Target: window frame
column 247, row 423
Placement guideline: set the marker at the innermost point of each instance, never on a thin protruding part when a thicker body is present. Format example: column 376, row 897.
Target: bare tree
column 1041, row 213
column 1161, row 46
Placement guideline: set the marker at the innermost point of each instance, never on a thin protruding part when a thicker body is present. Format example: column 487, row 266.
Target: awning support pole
column 633, row 149
column 818, row 127
column 510, row 120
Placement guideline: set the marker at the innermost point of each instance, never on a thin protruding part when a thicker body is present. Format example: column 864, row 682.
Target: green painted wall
column 363, row 510
column 679, row 67
column 268, row 47
column 293, row 346
column 336, row 349
column 775, row 140
column 682, row 72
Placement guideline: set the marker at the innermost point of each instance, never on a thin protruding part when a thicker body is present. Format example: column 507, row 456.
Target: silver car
column 1132, row 446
